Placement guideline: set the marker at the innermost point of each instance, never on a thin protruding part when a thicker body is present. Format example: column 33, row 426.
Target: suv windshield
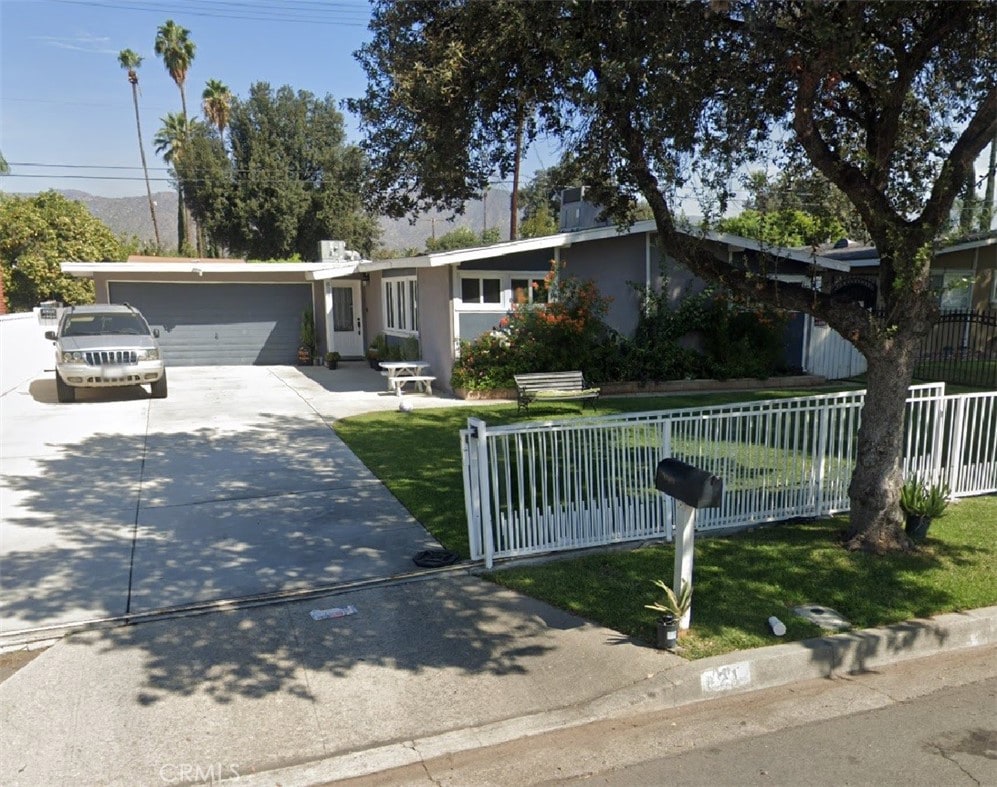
column 96, row 324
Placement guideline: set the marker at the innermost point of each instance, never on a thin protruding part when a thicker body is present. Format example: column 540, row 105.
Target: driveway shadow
column 124, row 523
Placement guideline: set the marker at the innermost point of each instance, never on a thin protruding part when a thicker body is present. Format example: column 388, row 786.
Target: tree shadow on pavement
column 136, row 522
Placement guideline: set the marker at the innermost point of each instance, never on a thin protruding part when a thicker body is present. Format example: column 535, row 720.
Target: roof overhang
column 968, row 245
column 318, row 271
column 307, row 270
column 564, row 240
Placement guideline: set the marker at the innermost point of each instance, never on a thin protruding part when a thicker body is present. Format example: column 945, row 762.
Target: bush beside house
column 708, row 335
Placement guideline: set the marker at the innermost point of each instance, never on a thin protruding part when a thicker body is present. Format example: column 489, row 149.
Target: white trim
column 204, row 266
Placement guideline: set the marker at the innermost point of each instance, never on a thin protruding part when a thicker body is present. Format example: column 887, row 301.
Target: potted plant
column 332, row 359
column 373, row 356
column 377, row 350
column 672, row 609
column 307, row 342
column 922, row 502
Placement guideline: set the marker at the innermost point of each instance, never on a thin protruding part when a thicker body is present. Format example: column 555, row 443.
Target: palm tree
column 217, row 104
column 169, row 142
column 4, row 169
column 130, row 61
column 177, row 51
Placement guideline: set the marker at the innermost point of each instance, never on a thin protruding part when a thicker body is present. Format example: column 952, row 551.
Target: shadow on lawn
column 745, row 578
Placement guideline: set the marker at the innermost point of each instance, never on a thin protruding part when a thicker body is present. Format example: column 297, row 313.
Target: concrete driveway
column 233, row 486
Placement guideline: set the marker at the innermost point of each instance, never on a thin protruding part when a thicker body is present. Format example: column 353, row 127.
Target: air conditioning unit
column 331, row 250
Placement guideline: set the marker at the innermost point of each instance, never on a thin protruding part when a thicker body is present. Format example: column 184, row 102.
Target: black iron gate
column 961, row 349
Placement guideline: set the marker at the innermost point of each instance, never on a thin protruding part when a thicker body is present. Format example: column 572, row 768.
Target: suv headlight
column 148, row 355
column 72, row 357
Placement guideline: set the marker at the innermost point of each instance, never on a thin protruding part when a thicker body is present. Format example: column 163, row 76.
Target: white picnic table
column 401, row 372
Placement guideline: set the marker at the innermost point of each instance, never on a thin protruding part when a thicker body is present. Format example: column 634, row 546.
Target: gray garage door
column 221, row 324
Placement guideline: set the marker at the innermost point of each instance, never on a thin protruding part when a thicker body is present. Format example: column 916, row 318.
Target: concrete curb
column 733, row 673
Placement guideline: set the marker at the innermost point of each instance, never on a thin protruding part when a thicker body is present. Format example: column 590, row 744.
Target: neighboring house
column 233, row 312
column 964, row 276
column 963, row 273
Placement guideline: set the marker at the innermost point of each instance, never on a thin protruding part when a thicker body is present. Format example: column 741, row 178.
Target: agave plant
column 675, row 605
column 918, row 498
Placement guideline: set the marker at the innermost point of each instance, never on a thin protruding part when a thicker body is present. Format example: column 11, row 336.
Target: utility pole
column 514, row 202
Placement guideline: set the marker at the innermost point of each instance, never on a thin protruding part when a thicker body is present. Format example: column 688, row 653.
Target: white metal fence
column 547, row 486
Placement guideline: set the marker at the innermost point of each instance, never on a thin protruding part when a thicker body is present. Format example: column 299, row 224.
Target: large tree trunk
column 877, row 523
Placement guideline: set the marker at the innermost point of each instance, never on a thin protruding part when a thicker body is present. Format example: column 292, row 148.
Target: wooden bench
column 423, row 382
column 552, row 386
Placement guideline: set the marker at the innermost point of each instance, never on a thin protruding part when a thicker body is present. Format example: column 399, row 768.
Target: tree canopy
column 287, row 181
column 890, row 102
column 462, row 238
column 786, row 227
column 40, row 232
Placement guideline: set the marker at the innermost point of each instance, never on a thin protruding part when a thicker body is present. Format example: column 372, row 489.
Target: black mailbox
column 692, row 486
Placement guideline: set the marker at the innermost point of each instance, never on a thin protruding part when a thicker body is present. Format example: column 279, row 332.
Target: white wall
column 25, row 353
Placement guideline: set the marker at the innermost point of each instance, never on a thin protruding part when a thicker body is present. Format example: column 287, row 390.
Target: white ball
column 405, row 406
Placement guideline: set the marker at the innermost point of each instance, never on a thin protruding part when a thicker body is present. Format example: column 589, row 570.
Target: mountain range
column 129, row 217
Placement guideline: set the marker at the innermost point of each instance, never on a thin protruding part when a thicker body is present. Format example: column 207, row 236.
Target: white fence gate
column 827, row 353
column 547, row 486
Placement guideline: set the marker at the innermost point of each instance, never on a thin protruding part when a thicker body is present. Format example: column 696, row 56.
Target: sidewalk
column 426, row 667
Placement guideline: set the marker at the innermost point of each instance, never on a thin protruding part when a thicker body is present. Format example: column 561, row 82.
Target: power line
column 300, row 13
column 78, row 166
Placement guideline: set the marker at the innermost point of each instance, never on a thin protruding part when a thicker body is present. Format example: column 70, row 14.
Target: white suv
column 106, row 345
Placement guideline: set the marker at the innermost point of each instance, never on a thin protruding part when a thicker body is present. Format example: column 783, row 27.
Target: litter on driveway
column 335, row 612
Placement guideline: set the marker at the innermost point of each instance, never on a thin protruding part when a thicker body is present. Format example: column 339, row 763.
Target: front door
column 342, row 302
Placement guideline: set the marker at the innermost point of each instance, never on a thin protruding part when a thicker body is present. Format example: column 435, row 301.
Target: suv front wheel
column 64, row 393
column 158, row 389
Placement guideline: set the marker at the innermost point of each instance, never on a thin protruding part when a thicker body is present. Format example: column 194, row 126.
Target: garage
column 210, row 324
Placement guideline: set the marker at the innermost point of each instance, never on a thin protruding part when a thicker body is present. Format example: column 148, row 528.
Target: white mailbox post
column 692, row 489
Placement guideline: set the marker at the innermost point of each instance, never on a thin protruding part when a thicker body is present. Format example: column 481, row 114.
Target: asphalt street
column 930, row 722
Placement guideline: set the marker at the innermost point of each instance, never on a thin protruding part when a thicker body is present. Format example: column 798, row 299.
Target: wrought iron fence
column 961, row 349
column 546, row 486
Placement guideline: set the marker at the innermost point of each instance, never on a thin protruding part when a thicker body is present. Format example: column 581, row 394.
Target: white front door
column 343, row 323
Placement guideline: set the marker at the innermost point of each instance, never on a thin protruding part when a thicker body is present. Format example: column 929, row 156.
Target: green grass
column 978, row 373
column 417, row 454
column 740, row 580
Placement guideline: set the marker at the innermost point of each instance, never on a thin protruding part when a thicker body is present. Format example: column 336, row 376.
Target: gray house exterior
column 213, row 312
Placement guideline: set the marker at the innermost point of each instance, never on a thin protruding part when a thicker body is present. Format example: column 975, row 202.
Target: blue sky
column 66, row 114
column 65, row 101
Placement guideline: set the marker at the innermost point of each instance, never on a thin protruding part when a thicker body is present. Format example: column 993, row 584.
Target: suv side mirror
column 155, row 332
column 50, row 335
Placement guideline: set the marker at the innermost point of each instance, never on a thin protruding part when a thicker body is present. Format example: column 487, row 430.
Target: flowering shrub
column 560, row 335
column 569, row 332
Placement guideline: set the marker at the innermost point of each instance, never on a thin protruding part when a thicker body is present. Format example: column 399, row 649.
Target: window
column 480, row 289
column 496, row 292
column 401, row 305
column 534, row 290
column 954, row 288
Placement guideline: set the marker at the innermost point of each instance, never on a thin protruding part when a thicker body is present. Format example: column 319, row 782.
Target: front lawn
column 740, row 580
column 417, row 454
